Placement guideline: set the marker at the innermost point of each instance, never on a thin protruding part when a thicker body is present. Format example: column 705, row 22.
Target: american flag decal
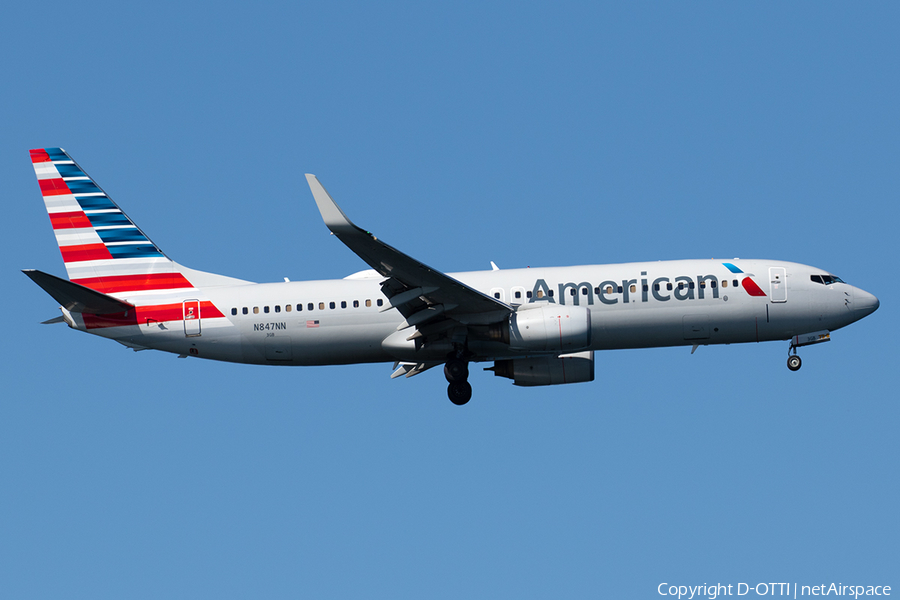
column 311, row 324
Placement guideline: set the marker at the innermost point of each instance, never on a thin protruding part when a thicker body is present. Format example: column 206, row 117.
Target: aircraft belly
column 707, row 323
column 316, row 342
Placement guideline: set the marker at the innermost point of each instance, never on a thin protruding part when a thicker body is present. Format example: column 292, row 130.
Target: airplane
column 538, row 326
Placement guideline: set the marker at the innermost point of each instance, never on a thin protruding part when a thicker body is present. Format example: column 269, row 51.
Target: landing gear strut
column 456, row 370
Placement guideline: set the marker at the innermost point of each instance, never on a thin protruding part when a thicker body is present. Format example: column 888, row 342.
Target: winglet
column 332, row 214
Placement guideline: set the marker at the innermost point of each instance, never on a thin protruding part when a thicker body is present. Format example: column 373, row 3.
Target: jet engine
column 555, row 370
column 550, row 327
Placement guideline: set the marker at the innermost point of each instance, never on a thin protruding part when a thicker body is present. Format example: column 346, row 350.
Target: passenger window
column 343, row 304
column 734, row 283
column 244, row 310
column 331, row 305
column 540, row 294
column 368, row 303
column 703, row 284
column 584, row 291
column 266, row 309
column 287, row 308
column 321, row 306
column 571, row 291
column 233, row 312
column 380, row 302
column 619, row 289
column 310, row 306
column 724, row 283
column 299, row 308
column 655, row 287
column 691, row 285
column 609, row 289
column 669, row 287
column 277, row 308
column 646, row 288
column 680, row 285
column 528, row 294
column 497, row 295
column 550, row 293
column 633, row 288
column 356, row 304
column 255, row 310
column 518, row 295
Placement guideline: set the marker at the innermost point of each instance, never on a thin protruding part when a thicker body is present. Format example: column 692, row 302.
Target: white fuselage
column 631, row 306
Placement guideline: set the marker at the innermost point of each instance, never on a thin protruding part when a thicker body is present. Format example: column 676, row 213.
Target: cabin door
column 191, row 312
column 777, row 284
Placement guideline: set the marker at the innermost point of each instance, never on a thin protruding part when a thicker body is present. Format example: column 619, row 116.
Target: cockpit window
column 825, row 279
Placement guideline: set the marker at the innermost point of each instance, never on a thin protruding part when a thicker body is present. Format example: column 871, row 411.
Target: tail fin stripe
column 144, row 251
column 39, row 156
column 53, row 187
column 107, row 219
column 95, row 203
column 69, row 220
column 58, row 154
column 83, row 186
column 66, row 171
column 130, row 234
column 84, row 252
column 135, row 283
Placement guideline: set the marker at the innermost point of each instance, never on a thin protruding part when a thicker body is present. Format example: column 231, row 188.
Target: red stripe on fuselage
column 69, row 220
column 39, row 155
column 84, row 252
column 148, row 315
column 53, row 187
column 135, row 283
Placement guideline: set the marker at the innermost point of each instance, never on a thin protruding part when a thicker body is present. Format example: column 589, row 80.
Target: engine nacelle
column 550, row 327
column 568, row 368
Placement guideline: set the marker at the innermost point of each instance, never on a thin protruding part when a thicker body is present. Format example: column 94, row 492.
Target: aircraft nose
column 865, row 302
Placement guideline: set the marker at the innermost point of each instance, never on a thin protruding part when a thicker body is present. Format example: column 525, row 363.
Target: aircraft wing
column 420, row 293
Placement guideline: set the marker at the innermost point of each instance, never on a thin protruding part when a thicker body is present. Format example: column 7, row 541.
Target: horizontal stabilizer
column 77, row 298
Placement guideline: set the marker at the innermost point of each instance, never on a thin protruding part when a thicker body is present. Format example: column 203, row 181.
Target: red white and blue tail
column 131, row 282
column 101, row 247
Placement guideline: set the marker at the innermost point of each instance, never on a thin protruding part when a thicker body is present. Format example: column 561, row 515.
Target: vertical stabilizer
column 101, row 247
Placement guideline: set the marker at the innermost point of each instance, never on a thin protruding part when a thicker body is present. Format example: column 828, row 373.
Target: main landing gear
column 456, row 370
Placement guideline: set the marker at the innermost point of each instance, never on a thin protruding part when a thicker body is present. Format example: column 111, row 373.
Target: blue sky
column 460, row 133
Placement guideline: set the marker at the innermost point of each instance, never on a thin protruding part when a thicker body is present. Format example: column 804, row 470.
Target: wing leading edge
column 423, row 295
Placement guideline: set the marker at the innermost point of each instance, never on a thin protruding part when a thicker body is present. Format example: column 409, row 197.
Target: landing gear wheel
column 456, row 370
column 459, row 392
column 794, row 362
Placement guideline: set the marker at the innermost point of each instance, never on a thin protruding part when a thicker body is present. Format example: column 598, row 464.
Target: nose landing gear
column 807, row 339
column 456, row 370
